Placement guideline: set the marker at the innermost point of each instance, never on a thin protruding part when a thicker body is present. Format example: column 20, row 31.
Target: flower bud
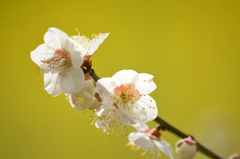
column 235, row 156
column 86, row 98
column 186, row 148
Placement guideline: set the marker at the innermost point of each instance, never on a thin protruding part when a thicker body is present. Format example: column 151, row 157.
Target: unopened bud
column 235, row 156
column 86, row 98
column 186, row 148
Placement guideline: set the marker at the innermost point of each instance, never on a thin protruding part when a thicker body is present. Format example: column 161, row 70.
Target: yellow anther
column 78, row 32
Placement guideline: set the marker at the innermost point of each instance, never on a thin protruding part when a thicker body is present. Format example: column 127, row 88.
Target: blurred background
column 191, row 47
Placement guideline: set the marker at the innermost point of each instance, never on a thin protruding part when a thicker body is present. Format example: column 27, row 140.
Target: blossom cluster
column 118, row 101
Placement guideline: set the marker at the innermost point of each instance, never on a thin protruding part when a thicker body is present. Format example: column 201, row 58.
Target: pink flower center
column 60, row 62
column 127, row 94
column 61, row 52
column 153, row 134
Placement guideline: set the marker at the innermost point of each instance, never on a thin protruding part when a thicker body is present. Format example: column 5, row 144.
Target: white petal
column 164, row 147
column 81, row 44
column 95, row 43
column 140, row 139
column 145, row 84
column 147, row 109
column 136, row 124
column 52, row 39
column 84, row 103
column 99, row 111
column 40, row 53
column 88, row 90
column 52, row 83
column 55, row 38
column 78, row 47
column 85, row 98
column 123, row 118
column 99, row 125
column 141, row 126
column 105, row 88
column 72, row 100
column 126, row 119
column 94, row 104
column 72, row 80
column 125, row 77
column 76, row 57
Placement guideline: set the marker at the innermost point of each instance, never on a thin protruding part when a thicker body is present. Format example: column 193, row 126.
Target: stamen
column 152, row 151
column 126, row 94
column 95, row 36
column 77, row 31
column 111, row 121
column 60, row 62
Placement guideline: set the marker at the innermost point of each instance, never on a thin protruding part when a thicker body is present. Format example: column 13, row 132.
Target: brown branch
column 169, row 127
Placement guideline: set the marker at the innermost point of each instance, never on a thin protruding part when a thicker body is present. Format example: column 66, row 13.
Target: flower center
column 127, row 94
column 60, row 62
column 153, row 134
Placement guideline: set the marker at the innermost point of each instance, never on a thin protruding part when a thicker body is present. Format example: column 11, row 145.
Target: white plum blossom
column 89, row 47
column 150, row 141
column 60, row 61
column 125, row 100
column 186, row 148
column 86, row 98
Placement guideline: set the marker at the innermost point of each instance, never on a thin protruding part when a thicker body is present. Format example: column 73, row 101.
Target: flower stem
column 169, row 127
column 94, row 75
column 166, row 126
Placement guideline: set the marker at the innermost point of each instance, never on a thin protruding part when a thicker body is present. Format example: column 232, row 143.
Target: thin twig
column 169, row 127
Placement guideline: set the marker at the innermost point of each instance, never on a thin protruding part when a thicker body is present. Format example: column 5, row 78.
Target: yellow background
column 190, row 46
